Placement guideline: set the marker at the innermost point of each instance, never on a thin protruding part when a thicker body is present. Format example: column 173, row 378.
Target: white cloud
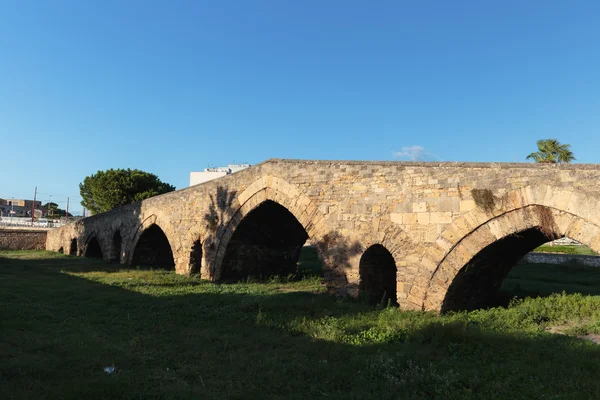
column 413, row 153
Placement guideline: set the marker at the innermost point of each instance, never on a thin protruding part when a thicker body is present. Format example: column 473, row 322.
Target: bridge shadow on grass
column 58, row 331
column 79, row 264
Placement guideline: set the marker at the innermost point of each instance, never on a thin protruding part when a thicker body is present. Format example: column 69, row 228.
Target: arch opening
column 377, row 270
column 153, row 249
column 93, row 249
column 61, row 250
column 196, row 257
column 117, row 242
column 501, row 272
column 267, row 242
column 73, row 247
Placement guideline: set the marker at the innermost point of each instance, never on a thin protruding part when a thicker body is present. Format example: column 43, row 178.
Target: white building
column 237, row 167
column 213, row 173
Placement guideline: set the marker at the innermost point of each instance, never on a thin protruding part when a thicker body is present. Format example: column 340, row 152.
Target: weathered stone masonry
column 423, row 214
column 22, row 239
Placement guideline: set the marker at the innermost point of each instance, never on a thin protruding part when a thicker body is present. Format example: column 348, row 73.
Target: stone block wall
column 22, row 239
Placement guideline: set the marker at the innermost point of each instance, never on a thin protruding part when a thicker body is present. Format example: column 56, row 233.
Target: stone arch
column 162, row 223
column 73, row 247
column 152, row 245
column 397, row 242
column 116, row 247
column 266, row 243
column 576, row 215
column 275, row 190
column 378, row 274
column 93, row 248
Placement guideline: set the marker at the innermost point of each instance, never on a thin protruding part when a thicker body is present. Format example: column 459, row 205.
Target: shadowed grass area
column 532, row 280
column 64, row 319
column 309, row 263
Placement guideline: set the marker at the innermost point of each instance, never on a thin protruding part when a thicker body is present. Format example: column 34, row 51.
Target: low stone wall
column 554, row 258
column 22, row 239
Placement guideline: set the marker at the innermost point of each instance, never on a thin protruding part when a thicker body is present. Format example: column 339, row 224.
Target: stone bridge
column 432, row 236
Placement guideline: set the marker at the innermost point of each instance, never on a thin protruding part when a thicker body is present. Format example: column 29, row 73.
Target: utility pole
column 33, row 206
column 67, row 210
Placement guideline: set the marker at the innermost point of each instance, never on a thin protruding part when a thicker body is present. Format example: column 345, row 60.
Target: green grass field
column 533, row 280
column 64, row 319
column 566, row 249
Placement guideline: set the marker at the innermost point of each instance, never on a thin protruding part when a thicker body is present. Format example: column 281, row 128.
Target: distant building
column 564, row 241
column 237, row 167
column 21, row 203
column 13, row 211
column 18, row 211
column 19, row 207
column 213, row 173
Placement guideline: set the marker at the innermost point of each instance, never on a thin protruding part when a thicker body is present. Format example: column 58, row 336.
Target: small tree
column 113, row 188
column 551, row 151
column 51, row 208
column 61, row 213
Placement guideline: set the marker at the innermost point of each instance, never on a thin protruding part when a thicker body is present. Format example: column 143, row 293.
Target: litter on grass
column 109, row 370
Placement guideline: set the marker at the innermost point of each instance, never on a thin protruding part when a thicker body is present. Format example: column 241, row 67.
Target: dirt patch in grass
column 574, row 327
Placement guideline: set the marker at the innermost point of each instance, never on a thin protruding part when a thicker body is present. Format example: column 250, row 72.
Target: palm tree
column 550, row 151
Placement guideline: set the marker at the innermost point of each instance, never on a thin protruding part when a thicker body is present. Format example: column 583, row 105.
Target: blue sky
column 175, row 86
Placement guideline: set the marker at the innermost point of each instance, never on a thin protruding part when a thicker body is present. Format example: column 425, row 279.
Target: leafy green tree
column 51, row 207
column 113, row 188
column 551, row 151
column 59, row 212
